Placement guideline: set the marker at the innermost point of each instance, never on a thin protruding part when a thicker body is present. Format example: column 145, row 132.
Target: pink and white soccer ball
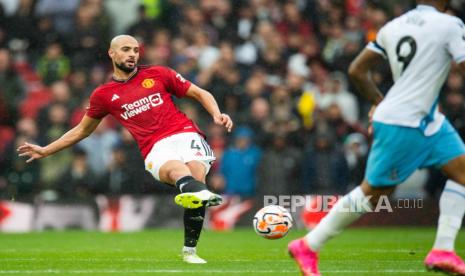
column 272, row 222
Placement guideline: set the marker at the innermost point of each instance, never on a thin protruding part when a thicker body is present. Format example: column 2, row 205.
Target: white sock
column 190, row 250
column 343, row 213
column 451, row 210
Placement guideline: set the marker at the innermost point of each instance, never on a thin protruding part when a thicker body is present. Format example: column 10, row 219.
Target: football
column 272, row 222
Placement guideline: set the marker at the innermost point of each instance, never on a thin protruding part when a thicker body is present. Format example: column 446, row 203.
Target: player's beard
column 124, row 68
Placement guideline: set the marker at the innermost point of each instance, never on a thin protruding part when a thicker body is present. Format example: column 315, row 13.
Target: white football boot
column 189, row 255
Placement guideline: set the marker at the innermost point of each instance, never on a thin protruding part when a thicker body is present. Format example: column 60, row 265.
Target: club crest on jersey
column 141, row 105
column 148, row 83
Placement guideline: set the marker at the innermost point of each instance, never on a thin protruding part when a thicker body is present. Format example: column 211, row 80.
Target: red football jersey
column 143, row 105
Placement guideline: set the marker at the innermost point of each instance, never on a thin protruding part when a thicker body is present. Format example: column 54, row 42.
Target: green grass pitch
column 377, row 251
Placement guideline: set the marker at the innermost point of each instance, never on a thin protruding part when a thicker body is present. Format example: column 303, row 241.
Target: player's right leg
column 451, row 211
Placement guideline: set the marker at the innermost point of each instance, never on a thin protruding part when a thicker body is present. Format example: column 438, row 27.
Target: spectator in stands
column 355, row 150
column 79, row 87
column 295, row 82
column 255, row 87
column 259, row 119
column 239, row 164
column 22, row 180
column 281, row 102
column 222, row 78
column 333, row 121
column 22, row 22
column 43, row 36
column 293, row 22
column 99, row 147
column 158, row 52
column 53, row 65
column 60, row 11
column 335, row 45
column 202, row 50
column 17, row 180
column 97, row 77
column 78, row 181
column 279, row 169
column 195, row 27
column 336, row 93
column 11, row 89
column 324, row 168
column 144, row 26
column 117, row 180
column 52, row 168
column 87, row 39
column 272, row 62
column 309, row 49
column 61, row 95
column 27, row 127
column 134, row 165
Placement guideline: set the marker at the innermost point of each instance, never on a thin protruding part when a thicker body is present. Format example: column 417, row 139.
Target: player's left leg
column 193, row 219
column 194, row 194
column 448, row 153
column 451, row 204
column 198, row 156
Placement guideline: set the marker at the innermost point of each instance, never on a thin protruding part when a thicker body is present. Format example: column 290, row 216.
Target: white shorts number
column 184, row 147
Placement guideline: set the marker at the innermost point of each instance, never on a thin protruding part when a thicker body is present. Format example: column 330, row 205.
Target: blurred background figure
column 99, row 147
column 356, row 151
column 239, row 164
column 324, row 168
column 118, row 179
column 53, row 65
column 279, row 169
column 11, row 89
column 77, row 184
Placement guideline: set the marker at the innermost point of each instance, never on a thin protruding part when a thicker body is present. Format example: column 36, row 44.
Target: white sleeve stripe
column 376, row 44
column 371, row 46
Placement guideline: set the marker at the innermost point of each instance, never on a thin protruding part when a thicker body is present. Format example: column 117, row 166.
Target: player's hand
column 224, row 120
column 32, row 151
column 370, row 119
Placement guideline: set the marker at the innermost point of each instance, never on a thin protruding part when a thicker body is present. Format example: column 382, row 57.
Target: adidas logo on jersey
column 115, row 97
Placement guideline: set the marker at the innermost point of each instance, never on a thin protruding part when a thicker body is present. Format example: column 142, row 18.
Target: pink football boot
column 445, row 261
column 306, row 259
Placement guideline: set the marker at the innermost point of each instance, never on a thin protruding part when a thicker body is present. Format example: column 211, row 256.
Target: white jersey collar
column 426, row 8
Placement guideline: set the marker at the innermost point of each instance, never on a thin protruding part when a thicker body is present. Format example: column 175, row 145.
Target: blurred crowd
column 278, row 67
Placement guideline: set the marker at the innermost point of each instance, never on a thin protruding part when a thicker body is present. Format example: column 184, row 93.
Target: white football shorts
column 185, row 147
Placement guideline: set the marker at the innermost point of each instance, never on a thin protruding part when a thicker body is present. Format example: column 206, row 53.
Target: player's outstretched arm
column 76, row 134
column 209, row 103
column 360, row 74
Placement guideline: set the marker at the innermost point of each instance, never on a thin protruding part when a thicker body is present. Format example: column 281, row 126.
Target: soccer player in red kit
column 174, row 149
